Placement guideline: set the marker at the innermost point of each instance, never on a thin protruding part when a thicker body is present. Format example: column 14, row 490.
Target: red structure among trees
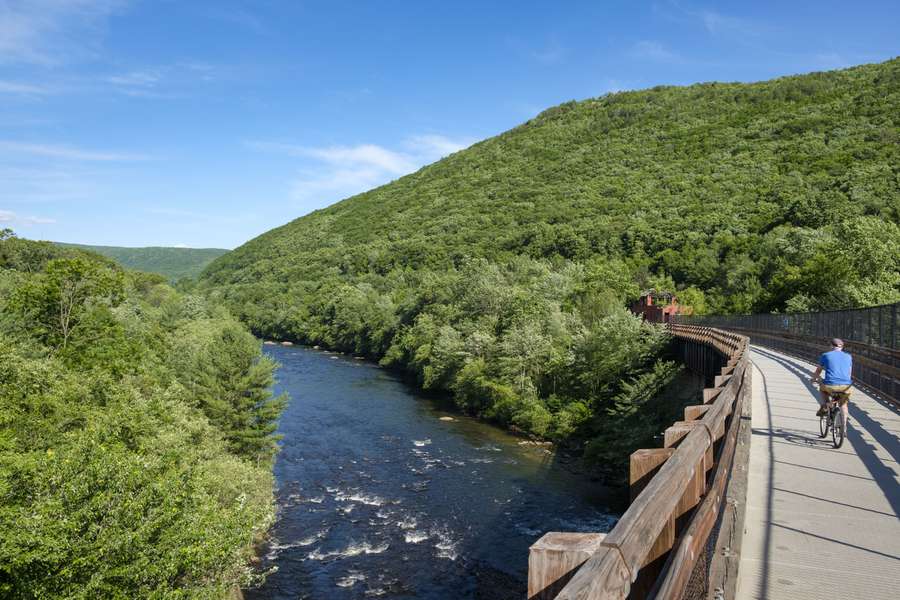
column 657, row 306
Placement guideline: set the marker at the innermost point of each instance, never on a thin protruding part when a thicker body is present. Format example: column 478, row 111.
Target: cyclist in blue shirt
column 838, row 366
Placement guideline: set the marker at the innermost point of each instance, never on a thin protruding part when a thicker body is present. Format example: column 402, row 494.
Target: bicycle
column 834, row 418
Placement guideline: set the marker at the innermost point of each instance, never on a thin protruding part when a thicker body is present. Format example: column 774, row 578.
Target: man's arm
column 817, row 373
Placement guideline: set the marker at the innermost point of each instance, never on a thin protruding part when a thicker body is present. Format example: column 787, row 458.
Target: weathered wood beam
column 692, row 413
column 710, row 394
column 643, row 465
column 554, row 558
column 604, row 575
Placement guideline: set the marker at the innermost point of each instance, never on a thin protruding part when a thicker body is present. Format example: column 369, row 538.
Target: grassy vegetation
column 499, row 273
column 136, row 433
column 172, row 263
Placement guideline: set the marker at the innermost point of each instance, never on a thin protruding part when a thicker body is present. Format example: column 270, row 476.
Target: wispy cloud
column 236, row 16
column 365, row 156
column 833, row 60
column 37, row 221
column 180, row 216
column 162, row 81
column 49, row 32
column 41, row 185
column 334, row 172
column 431, row 147
column 714, row 22
column 23, row 89
column 550, row 53
column 717, row 23
column 655, row 51
column 66, row 152
column 11, row 218
column 142, row 79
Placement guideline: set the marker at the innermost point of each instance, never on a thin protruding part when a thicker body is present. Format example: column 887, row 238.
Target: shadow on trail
column 836, row 541
column 767, row 538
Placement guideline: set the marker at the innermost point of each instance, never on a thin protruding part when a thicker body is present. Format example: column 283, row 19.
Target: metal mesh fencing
column 874, row 326
column 871, row 335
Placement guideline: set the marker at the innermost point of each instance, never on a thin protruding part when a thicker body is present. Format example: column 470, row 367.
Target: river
column 380, row 494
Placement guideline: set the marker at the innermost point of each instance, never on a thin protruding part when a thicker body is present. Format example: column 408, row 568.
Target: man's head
column 837, row 344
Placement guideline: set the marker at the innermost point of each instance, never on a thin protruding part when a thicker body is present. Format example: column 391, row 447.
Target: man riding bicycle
column 838, row 366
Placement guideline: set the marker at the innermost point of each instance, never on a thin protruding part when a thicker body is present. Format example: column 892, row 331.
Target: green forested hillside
column 136, row 433
column 499, row 273
column 173, row 263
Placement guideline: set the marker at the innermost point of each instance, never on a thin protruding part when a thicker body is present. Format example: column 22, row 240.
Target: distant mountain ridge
column 173, row 263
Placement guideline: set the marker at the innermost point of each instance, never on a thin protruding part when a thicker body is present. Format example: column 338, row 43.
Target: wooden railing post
column 553, row 560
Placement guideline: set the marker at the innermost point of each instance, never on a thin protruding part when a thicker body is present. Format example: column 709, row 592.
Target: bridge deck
column 820, row 522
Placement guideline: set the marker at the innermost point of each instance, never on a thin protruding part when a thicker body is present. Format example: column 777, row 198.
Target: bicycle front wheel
column 823, row 426
column 838, row 428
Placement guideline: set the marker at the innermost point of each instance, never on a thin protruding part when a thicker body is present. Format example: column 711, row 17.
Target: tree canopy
column 173, row 263
column 136, row 433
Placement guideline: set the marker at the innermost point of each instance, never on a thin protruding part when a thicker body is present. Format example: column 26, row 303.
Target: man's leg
column 825, row 397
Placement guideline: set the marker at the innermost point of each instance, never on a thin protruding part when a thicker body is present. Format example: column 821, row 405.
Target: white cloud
column 655, row 51
column 362, row 157
column 436, row 146
column 366, row 157
column 335, row 172
column 23, row 89
column 143, row 79
column 717, row 24
column 7, row 216
column 49, row 32
column 66, row 152
column 37, row 221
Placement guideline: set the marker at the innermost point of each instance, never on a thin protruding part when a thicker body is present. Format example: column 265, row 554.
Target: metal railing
column 871, row 335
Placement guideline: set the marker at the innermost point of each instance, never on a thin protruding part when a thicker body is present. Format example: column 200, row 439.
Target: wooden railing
column 677, row 491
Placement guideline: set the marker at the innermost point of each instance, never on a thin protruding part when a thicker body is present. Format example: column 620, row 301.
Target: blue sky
column 174, row 122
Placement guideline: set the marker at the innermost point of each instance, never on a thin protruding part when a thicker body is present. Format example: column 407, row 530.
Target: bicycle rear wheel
column 838, row 427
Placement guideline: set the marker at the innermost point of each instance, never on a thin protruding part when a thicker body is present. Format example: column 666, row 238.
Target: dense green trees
column 172, row 263
column 500, row 273
column 135, row 433
column 700, row 183
column 545, row 347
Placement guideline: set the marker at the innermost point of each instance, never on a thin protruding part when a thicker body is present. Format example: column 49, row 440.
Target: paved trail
column 821, row 522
